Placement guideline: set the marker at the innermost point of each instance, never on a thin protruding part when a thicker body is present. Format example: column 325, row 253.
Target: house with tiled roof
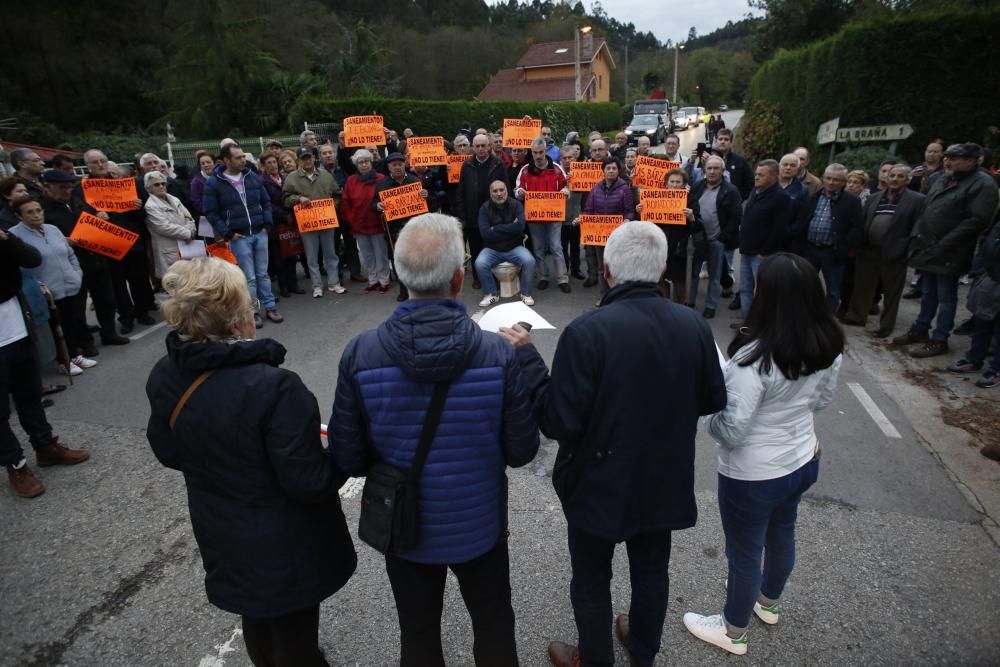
column 547, row 73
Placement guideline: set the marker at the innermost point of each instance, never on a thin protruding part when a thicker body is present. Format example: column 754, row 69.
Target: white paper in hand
column 205, row 228
column 191, row 249
column 510, row 314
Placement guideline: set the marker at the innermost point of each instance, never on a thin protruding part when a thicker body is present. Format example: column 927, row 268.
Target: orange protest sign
column 221, row 251
column 544, row 206
column 100, row 236
column 651, row 172
column 403, row 202
column 317, row 215
column 519, row 133
column 583, row 176
column 364, row 131
column 426, row 151
column 595, row 229
column 455, row 163
column 112, row 195
column 664, row 207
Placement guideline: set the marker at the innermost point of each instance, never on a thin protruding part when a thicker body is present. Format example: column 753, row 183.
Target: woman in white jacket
column 783, row 368
column 168, row 221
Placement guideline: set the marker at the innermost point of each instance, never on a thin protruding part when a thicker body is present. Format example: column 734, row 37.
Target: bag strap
column 431, row 422
column 187, row 394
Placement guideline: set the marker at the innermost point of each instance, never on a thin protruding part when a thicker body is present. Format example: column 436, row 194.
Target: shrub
column 761, row 131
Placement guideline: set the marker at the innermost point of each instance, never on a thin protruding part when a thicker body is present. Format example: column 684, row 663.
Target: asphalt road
column 894, row 566
column 692, row 135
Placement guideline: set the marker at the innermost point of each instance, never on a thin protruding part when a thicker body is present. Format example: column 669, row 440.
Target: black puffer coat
column 262, row 492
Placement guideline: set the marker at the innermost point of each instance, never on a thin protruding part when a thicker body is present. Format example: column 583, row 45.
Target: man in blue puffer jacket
column 383, row 392
column 239, row 208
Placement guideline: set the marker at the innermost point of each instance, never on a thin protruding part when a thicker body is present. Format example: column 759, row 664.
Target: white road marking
column 876, row 414
column 352, row 488
column 219, row 660
column 148, row 331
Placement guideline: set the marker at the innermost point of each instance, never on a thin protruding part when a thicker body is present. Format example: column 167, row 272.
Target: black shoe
column 93, row 328
column 403, row 294
column 89, row 350
column 566, row 289
column 882, row 333
column 543, row 284
column 912, row 293
column 476, row 284
column 851, row 323
column 590, row 282
column 297, row 290
column 931, row 348
column 47, row 402
column 115, row 340
column 358, row 278
column 735, row 304
column 578, row 276
column 258, row 323
column 708, row 313
column 875, row 309
column 145, row 319
column 727, row 293
column 965, row 328
column 284, row 292
column 127, row 327
column 914, row 335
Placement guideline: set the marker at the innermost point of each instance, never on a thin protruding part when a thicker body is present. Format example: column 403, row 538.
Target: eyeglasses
column 157, row 183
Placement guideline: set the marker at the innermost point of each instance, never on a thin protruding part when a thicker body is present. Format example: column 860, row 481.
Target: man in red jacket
column 544, row 175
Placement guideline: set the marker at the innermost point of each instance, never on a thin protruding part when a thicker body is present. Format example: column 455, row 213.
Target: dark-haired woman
column 783, row 368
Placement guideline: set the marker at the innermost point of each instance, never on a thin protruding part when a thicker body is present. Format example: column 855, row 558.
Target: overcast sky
column 671, row 19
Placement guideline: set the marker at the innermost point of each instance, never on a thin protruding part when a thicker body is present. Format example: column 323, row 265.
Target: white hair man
column 653, row 352
column 462, row 526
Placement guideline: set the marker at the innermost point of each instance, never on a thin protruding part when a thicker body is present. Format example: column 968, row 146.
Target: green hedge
column 920, row 69
column 445, row 117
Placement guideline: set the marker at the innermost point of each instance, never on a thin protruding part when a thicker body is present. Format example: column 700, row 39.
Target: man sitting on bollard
column 501, row 223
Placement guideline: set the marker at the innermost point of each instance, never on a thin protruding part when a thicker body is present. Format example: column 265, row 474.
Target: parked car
column 693, row 119
column 647, row 125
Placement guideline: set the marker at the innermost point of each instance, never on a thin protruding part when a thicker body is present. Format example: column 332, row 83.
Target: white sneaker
column 73, row 369
column 528, row 301
column 769, row 615
column 83, row 362
column 488, row 300
column 338, row 288
column 712, row 629
column 317, row 292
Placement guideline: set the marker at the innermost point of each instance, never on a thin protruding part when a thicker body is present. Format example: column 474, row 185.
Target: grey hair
column 835, row 166
column 428, row 253
column 151, row 175
column 306, row 133
column 538, row 142
column 460, row 137
column 715, row 157
column 905, row 166
column 148, row 155
column 636, row 251
column 360, row 155
column 18, row 156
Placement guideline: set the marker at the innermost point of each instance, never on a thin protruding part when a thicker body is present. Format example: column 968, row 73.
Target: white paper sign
column 191, row 249
column 510, row 314
column 205, row 228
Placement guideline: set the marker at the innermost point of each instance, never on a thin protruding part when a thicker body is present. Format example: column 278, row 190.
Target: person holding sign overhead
column 239, row 209
column 541, row 174
column 398, row 177
column 302, row 187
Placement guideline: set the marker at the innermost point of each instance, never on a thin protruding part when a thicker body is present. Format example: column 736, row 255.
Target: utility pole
column 626, row 73
column 677, row 51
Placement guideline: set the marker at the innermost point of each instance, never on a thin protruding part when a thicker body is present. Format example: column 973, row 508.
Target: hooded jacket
column 261, row 491
column 226, row 210
column 384, row 388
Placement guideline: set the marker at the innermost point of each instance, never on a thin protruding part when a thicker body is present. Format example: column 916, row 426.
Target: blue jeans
column 760, row 516
column 548, row 236
column 488, row 258
column 748, row 281
column 312, row 242
column 825, row 261
column 940, row 296
column 251, row 254
column 980, row 343
column 590, row 592
column 716, row 263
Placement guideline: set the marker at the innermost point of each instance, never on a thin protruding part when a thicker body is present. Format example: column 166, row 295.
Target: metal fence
column 184, row 151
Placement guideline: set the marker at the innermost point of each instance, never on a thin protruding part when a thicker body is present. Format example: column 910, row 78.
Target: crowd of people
column 812, row 250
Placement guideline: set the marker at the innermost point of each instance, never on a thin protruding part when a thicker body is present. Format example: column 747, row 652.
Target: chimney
column 587, row 47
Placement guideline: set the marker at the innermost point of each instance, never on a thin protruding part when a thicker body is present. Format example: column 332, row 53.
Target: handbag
column 390, row 515
column 288, row 239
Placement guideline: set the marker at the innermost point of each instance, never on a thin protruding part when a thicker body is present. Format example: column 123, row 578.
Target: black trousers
column 571, row 247
column 286, row 641
column 590, row 593
column 73, row 318
column 133, row 291
column 475, row 240
column 98, row 285
column 349, row 251
column 21, row 380
column 485, row 585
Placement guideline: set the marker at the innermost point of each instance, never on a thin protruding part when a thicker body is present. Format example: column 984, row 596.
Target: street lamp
column 677, row 51
column 577, row 31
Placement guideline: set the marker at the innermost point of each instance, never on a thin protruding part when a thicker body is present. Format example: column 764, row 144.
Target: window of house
column 600, row 80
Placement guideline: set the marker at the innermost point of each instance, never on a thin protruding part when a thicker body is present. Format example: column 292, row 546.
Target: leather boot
column 24, row 482
column 564, row 655
column 52, row 453
column 621, row 632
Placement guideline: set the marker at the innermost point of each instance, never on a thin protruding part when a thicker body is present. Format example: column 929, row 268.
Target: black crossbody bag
column 390, row 516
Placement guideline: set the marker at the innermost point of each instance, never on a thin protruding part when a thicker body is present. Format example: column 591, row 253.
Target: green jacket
column 956, row 212
column 297, row 184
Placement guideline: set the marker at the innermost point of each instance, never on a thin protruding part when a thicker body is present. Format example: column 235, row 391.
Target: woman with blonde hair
column 168, row 222
column 857, row 183
column 262, row 492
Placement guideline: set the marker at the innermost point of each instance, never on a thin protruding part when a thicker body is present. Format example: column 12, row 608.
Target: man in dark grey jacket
column 959, row 207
